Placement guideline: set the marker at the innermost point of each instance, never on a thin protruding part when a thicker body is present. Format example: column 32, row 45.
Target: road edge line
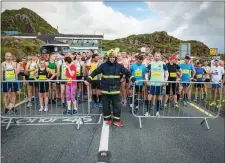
column 200, row 109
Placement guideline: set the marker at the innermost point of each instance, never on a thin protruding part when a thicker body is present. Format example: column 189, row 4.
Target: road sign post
column 213, row 51
column 184, row 49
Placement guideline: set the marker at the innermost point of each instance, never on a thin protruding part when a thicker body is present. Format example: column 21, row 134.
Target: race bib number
column 173, row 74
column 63, row 73
column 78, row 68
column 32, row 74
column 199, row 76
column 78, row 72
column 216, row 73
column 69, row 80
column 185, row 71
column 156, row 74
column 10, row 75
column 42, row 77
column 138, row 73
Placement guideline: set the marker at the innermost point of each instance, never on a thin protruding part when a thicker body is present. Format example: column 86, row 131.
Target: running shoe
column 157, row 114
column 67, row 112
column 218, row 106
column 41, row 109
column 35, row 99
column 6, row 110
column 74, row 111
column 165, row 105
column 100, row 105
column 46, row 109
column 13, row 110
column 147, row 114
column 124, row 104
column 223, row 100
column 64, row 105
column 176, row 107
column 94, row 105
column 212, row 104
column 185, row 103
column 29, row 104
column 202, row 98
column 53, row 101
column 108, row 122
column 161, row 107
column 118, row 124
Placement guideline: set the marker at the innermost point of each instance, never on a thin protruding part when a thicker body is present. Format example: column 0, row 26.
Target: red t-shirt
column 69, row 77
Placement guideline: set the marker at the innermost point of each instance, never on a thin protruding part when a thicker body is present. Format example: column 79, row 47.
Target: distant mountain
column 25, row 21
column 157, row 41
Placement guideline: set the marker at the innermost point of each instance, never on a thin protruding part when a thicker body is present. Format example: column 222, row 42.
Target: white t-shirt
column 217, row 73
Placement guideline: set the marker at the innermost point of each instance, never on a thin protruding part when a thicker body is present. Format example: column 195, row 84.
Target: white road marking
column 104, row 137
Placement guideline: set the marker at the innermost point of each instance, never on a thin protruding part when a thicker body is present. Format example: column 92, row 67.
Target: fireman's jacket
column 110, row 83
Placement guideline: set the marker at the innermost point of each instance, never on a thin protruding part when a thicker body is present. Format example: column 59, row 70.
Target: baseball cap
column 187, row 57
column 173, row 57
column 45, row 55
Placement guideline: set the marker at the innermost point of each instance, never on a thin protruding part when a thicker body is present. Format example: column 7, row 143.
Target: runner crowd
column 62, row 70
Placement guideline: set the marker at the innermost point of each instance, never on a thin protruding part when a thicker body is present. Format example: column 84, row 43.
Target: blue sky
column 138, row 10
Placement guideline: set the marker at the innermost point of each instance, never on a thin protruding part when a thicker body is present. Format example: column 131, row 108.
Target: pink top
column 69, row 77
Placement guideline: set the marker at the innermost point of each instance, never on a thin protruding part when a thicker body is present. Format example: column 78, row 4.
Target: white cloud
column 186, row 20
column 194, row 21
column 139, row 9
column 204, row 5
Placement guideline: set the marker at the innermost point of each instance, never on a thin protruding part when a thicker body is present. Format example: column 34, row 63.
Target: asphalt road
column 159, row 141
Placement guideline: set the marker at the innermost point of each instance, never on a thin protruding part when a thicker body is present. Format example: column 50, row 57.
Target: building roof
column 49, row 39
column 24, row 34
column 59, row 35
column 82, row 36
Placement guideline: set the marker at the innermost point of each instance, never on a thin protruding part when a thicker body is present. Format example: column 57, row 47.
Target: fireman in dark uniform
column 110, row 87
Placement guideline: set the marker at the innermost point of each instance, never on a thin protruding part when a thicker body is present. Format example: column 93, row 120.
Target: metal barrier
column 194, row 105
column 28, row 112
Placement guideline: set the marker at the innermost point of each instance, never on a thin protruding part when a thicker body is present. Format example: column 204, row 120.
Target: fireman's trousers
column 116, row 106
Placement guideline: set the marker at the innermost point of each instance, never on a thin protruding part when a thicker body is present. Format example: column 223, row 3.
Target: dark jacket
column 110, row 83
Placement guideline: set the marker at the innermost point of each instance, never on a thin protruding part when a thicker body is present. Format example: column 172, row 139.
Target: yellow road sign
column 212, row 51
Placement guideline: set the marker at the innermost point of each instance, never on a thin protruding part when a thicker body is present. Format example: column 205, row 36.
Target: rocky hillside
column 25, row 21
column 157, row 41
column 19, row 47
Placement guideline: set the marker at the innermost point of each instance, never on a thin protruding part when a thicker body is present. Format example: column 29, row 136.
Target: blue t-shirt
column 186, row 71
column 199, row 73
column 138, row 71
